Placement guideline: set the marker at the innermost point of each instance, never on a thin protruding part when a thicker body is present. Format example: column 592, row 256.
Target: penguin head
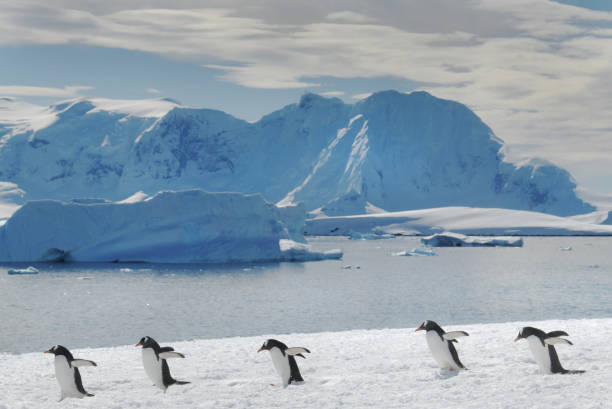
column 271, row 343
column 59, row 350
column 147, row 342
column 525, row 332
column 428, row 326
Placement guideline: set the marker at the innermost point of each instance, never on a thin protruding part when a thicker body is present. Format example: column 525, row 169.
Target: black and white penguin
column 441, row 345
column 284, row 361
column 543, row 350
column 155, row 365
column 67, row 373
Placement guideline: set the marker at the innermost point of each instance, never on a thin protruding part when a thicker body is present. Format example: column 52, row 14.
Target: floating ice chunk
column 23, row 271
column 294, row 251
column 353, row 235
column 449, row 239
column 415, row 252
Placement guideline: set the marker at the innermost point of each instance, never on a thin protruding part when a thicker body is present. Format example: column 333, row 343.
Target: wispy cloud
column 30, row 91
column 153, row 91
column 332, row 93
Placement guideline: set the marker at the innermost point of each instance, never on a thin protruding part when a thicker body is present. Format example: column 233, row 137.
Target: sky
column 538, row 72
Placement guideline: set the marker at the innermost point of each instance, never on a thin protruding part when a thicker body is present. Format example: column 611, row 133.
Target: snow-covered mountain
column 391, row 151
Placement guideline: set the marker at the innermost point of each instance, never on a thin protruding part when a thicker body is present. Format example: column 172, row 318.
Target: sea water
column 93, row 305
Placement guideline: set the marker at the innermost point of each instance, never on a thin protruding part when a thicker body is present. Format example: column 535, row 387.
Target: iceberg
column 23, row 271
column 449, row 239
column 170, row 227
column 415, row 252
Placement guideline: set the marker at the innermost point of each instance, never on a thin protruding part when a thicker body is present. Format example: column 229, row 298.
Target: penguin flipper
column 297, row 351
column 557, row 334
column 557, row 340
column 295, row 375
column 449, row 336
column 455, row 355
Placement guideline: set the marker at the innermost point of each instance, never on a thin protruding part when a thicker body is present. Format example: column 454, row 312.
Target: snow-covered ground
column 458, row 219
column 389, row 368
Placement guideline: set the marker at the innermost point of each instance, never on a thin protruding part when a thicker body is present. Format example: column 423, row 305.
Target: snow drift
column 389, row 152
column 390, row 368
column 187, row 226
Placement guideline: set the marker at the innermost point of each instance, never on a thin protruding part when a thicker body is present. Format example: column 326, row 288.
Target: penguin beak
column 260, row 349
column 516, row 339
column 418, row 329
column 48, row 352
column 138, row 345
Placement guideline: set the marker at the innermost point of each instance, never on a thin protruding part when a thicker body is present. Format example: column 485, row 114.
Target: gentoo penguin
column 284, row 361
column 67, row 373
column 155, row 365
column 543, row 350
column 441, row 345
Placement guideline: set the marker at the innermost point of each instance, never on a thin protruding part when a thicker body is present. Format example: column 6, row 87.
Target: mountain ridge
column 391, row 151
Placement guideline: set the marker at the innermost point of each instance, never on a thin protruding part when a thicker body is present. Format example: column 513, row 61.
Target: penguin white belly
column 540, row 354
column 281, row 364
column 65, row 377
column 153, row 367
column 439, row 351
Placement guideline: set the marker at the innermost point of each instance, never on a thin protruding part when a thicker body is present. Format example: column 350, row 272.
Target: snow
column 463, row 220
column 22, row 271
column 389, row 152
column 187, row 226
column 146, row 108
column 388, row 368
column 450, row 239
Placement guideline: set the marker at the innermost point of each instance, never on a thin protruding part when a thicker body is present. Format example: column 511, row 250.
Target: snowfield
column 460, row 219
column 389, row 368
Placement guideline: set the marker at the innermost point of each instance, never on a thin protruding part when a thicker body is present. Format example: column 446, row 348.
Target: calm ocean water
column 93, row 305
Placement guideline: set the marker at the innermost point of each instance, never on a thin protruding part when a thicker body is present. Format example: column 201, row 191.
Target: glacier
column 170, row 227
column 389, row 152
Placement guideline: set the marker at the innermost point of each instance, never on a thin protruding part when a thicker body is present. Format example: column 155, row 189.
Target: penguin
column 155, row 365
column 284, row 361
column 441, row 345
column 543, row 350
column 67, row 373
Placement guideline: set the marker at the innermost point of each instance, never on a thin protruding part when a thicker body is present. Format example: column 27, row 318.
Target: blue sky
column 537, row 71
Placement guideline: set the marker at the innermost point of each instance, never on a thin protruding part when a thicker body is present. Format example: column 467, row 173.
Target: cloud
column 332, row 93
column 31, row 91
column 348, row 17
column 153, row 91
column 358, row 97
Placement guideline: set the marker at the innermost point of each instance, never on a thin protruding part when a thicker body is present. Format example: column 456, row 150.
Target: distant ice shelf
column 472, row 221
column 170, row 227
column 449, row 239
